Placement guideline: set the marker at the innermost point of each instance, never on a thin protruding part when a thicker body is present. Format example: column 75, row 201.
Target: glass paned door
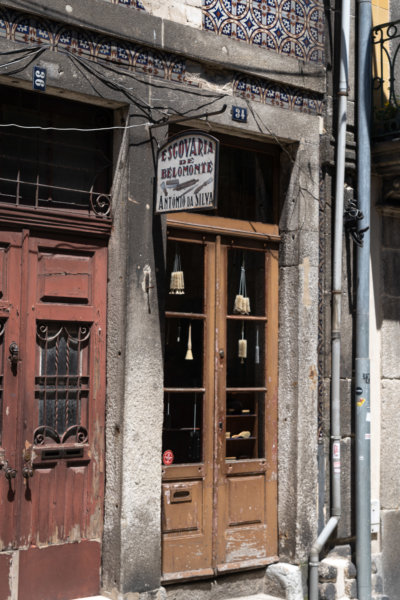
column 246, row 317
column 219, row 437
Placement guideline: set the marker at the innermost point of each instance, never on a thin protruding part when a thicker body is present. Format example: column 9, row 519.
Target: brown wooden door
column 220, row 420
column 10, row 310
column 53, row 309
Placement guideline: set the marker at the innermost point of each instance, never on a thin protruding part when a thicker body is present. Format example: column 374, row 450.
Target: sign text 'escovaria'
column 187, row 171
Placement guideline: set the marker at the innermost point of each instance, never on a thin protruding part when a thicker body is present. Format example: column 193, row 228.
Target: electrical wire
column 136, row 77
column 17, row 60
column 36, row 54
column 89, row 130
column 87, row 64
column 20, row 50
column 143, row 106
column 140, row 79
column 128, row 92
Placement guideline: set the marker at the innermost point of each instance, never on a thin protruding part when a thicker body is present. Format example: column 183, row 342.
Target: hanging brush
column 257, row 350
column 242, row 302
column 189, row 355
column 168, row 418
column 177, row 284
column 242, row 352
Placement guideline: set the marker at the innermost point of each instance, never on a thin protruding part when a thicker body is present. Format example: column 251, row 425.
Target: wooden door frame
column 265, row 236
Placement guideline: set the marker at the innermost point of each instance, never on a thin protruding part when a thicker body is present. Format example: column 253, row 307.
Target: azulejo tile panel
column 19, row 27
column 278, row 95
column 288, row 27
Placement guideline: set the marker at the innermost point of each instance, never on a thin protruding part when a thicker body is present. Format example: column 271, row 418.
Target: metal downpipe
column 336, row 305
column 362, row 366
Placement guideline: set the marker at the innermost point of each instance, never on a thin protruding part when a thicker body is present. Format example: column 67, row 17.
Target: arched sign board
column 187, row 173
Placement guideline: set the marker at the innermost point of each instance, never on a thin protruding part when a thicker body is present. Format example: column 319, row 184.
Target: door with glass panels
column 220, row 407
column 53, row 361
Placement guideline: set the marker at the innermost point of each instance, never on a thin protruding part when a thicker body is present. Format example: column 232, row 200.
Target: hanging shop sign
column 187, row 173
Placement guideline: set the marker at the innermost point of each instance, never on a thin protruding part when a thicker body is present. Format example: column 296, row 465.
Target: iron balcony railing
column 386, row 79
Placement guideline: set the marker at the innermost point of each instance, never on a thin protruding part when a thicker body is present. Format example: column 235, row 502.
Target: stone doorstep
column 256, row 597
column 253, row 597
column 93, row 598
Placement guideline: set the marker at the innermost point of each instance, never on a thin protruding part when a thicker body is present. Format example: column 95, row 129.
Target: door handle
column 14, row 355
column 27, row 472
column 27, row 469
column 8, row 471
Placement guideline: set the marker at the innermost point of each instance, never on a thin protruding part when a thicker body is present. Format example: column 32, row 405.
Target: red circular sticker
column 168, row 457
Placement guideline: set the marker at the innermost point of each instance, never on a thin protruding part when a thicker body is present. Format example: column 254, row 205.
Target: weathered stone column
column 132, row 538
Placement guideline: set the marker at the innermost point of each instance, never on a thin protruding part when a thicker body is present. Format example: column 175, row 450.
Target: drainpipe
column 362, row 367
column 336, row 304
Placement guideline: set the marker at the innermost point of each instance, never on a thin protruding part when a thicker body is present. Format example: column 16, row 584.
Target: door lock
column 9, row 472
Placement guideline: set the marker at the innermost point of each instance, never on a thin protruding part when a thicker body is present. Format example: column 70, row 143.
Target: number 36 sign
column 39, row 78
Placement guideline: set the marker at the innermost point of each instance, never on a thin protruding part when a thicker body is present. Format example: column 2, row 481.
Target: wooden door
column 53, row 412
column 220, row 419
column 10, row 310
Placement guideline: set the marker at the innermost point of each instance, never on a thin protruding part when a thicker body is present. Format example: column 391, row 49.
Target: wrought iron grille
column 39, row 195
column 62, row 383
column 386, row 79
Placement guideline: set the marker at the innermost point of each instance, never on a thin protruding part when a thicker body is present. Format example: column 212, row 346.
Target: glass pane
column 187, row 294
column 245, row 189
column 245, row 185
column 246, row 277
column 183, row 365
column 62, row 381
column 245, row 425
column 245, row 353
column 183, row 419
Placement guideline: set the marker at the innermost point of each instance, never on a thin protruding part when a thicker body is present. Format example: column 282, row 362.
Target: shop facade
column 156, row 442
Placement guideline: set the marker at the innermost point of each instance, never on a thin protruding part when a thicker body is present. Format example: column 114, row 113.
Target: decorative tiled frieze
column 288, row 27
column 276, row 94
column 28, row 29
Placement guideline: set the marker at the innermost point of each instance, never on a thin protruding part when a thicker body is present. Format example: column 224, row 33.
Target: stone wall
column 390, row 393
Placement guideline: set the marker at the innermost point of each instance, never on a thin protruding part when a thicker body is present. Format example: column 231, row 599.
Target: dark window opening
column 54, row 169
column 247, row 181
